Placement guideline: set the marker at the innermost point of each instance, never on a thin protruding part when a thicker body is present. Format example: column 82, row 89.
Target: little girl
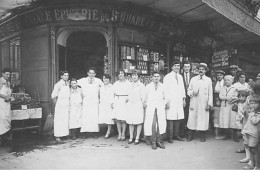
column 242, row 118
column 105, row 110
column 250, row 132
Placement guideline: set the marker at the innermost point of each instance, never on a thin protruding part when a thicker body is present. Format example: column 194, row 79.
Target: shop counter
column 26, row 119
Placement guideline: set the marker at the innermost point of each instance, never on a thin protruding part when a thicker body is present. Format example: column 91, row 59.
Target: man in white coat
column 175, row 93
column 5, row 106
column 90, row 88
column 61, row 99
column 200, row 91
column 155, row 119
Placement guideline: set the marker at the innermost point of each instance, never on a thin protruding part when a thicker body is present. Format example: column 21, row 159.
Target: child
column 76, row 98
column 105, row 110
column 241, row 119
column 250, row 131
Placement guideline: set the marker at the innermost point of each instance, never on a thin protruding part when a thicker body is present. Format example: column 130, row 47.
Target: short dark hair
column 120, row 70
column 186, row 62
column 175, row 62
column 62, row 72
column 156, row 72
column 107, row 76
column 243, row 93
column 92, row 68
column 241, row 73
column 73, row 79
column 6, row 70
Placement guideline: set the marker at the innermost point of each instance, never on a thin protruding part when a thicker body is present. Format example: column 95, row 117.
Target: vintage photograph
column 129, row 84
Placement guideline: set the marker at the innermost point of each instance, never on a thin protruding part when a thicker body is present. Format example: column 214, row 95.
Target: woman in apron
column 5, row 106
column 120, row 89
column 61, row 99
column 105, row 110
column 76, row 97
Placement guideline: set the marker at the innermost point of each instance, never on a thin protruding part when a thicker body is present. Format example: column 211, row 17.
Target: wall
column 35, row 64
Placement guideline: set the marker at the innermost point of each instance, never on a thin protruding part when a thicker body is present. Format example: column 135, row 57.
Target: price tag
column 128, row 57
column 145, row 57
column 24, row 107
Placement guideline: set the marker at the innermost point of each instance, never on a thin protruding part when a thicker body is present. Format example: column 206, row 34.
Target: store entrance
column 83, row 50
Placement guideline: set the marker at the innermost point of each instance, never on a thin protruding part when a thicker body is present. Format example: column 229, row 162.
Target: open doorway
column 84, row 49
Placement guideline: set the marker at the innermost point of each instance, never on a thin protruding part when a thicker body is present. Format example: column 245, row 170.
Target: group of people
column 236, row 110
column 158, row 108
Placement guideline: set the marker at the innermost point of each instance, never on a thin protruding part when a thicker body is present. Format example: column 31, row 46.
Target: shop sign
column 232, row 12
column 149, row 21
column 220, row 59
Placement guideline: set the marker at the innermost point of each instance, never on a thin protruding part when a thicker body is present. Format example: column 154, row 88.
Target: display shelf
column 146, row 60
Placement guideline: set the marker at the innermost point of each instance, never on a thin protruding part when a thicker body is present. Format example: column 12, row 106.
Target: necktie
column 200, row 77
column 186, row 79
column 156, row 86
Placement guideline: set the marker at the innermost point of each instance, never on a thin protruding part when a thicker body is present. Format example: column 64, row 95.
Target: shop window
column 15, row 61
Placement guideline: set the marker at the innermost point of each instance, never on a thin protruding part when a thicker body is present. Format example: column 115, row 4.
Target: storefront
column 38, row 42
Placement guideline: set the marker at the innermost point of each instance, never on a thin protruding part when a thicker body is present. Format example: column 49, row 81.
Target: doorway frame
column 61, row 34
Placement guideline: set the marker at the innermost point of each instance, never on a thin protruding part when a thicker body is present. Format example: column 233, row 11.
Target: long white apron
column 5, row 110
column 135, row 111
column 61, row 115
column 90, row 108
column 155, row 100
column 75, row 109
column 105, row 110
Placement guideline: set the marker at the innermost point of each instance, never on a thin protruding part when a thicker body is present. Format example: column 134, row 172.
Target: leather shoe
column 160, row 145
column 189, row 138
column 202, row 140
column 136, row 141
column 154, row 147
column 130, row 141
column 241, row 151
column 170, row 140
column 179, row 138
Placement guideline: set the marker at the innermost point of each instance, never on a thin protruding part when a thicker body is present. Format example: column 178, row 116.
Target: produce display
column 23, row 100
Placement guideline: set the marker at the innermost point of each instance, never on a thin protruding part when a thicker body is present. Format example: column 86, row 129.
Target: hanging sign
column 220, row 59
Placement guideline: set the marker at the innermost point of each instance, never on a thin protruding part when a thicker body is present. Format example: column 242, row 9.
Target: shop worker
column 61, row 99
column 76, row 97
column 155, row 119
column 136, row 99
column 200, row 91
column 187, row 75
column 175, row 93
column 5, row 106
column 120, row 92
column 90, row 88
column 216, row 101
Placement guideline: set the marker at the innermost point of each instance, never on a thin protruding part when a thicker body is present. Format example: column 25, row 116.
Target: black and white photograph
column 130, row 85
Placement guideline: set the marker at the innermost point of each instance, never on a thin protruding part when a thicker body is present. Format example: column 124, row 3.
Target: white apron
column 90, row 107
column 175, row 92
column 105, row 110
column 5, row 110
column 155, row 100
column 75, row 109
column 61, row 115
column 121, row 90
column 136, row 96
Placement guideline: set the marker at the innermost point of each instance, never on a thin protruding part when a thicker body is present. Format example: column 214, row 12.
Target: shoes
column 123, row 138
column 256, row 168
column 248, row 167
column 241, row 151
column 136, row 141
column 130, row 141
column 154, row 147
column 148, row 142
column 202, row 139
column 250, row 163
column 107, row 136
column 189, row 138
column 58, row 140
column 119, row 138
column 219, row 137
column 160, row 145
column 170, row 140
column 245, row 160
column 179, row 138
